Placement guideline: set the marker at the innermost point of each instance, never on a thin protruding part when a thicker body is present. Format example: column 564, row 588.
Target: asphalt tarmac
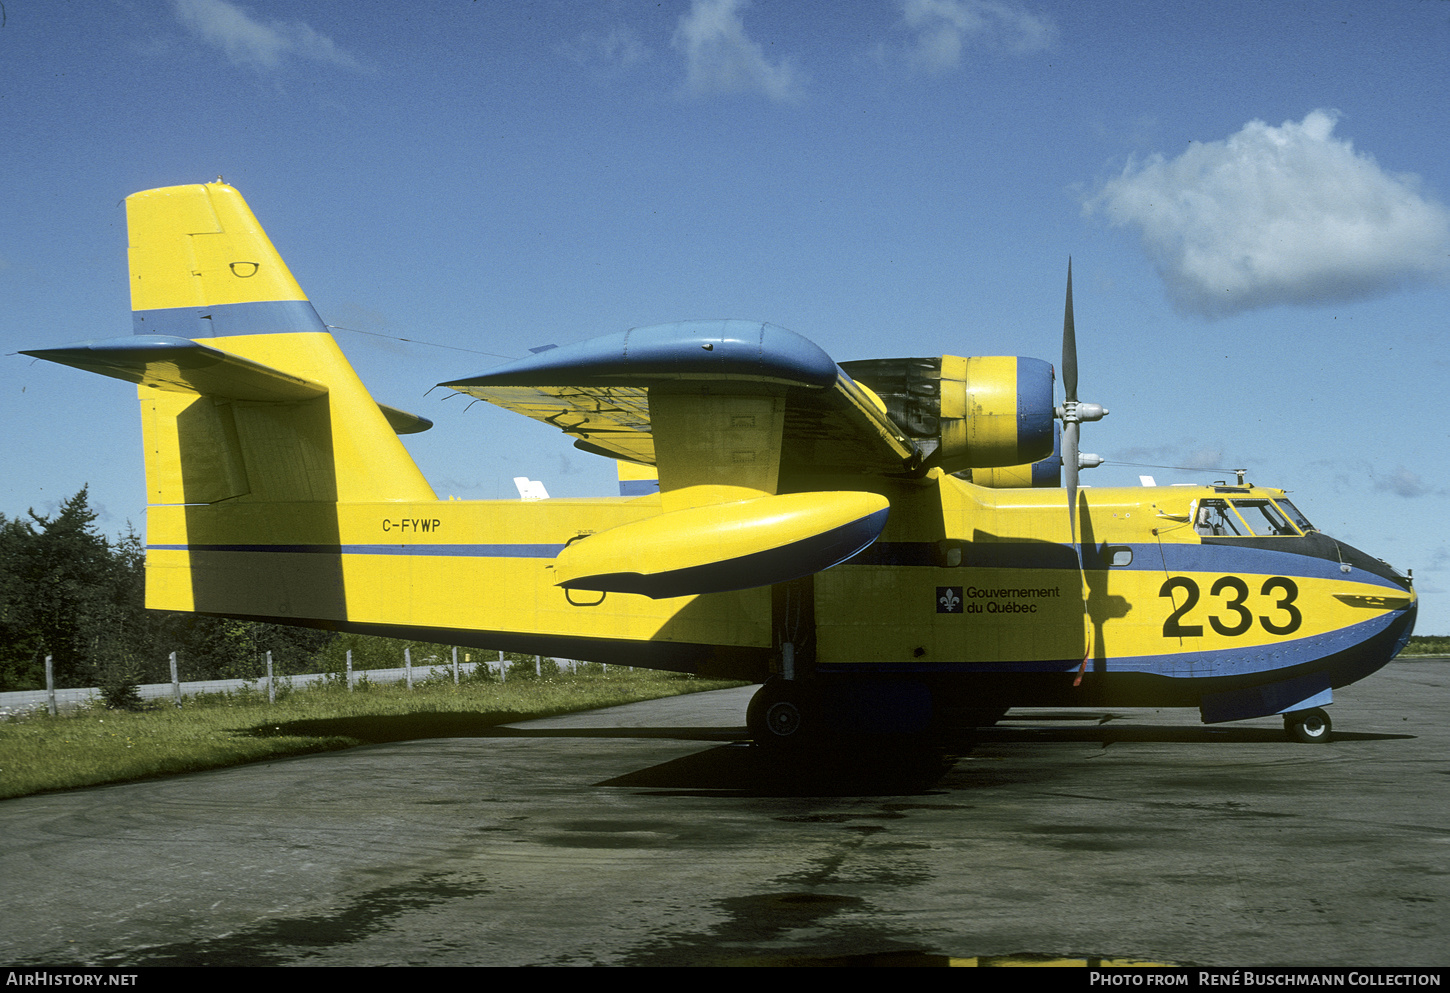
column 653, row 835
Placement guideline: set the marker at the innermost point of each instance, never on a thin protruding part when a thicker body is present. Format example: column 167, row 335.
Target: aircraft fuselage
column 973, row 593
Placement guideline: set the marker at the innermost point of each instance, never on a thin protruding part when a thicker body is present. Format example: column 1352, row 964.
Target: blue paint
column 638, row 487
column 447, row 551
column 222, row 320
column 686, row 350
column 1035, row 423
column 1047, row 473
column 1249, row 661
column 1299, row 693
column 1295, row 557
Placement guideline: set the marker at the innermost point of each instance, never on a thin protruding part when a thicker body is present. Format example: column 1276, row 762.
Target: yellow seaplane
column 884, row 545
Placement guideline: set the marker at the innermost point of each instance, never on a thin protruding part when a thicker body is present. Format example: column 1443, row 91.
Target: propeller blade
column 1070, row 464
column 1069, row 344
column 1069, row 423
column 1069, row 471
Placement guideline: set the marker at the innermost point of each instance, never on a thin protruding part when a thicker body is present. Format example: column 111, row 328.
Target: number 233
column 1237, row 618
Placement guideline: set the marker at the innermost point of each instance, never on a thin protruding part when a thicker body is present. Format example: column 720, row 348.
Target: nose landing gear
column 1308, row 726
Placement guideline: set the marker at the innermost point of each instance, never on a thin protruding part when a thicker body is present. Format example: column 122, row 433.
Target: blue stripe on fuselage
column 1295, row 559
column 1226, row 663
column 462, row 551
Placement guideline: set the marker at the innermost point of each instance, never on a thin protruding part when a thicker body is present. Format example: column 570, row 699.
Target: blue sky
column 1253, row 195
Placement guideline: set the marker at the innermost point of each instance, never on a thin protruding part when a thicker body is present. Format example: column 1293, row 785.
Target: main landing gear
column 780, row 713
column 1308, row 726
column 791, row 712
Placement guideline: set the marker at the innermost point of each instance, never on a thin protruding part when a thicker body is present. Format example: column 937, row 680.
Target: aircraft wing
column 598, row 392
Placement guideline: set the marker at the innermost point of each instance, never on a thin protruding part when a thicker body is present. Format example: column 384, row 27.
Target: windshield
column 1295, row 516
column 1216, row 518
column 1241, row 519
column 1263, row 517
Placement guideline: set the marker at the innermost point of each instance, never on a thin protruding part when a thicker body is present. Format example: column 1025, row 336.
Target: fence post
column 49, row 687
column 408, row 666
column 349, row 670
column 539, row 666
column 503, row 670
column 271, row 683
column 455, row 665
column 175, row 682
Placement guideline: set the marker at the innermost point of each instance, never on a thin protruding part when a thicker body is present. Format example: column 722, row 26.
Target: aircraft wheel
column 777, row 714
column 1308, row 726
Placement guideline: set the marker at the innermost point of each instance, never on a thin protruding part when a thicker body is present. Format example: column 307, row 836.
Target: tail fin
column 265, row 407
column 202, row 267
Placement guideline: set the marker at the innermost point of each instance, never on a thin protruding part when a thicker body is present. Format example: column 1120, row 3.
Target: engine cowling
column 967, row 413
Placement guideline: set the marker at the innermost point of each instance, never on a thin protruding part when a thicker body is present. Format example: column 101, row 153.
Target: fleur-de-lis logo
column 948, row 599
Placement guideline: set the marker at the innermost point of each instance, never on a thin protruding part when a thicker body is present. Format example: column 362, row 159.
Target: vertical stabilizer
column 202, row 267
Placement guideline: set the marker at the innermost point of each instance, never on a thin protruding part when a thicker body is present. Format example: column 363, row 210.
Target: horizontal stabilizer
column 725, row 546
column 403, row 422
column 182, row 365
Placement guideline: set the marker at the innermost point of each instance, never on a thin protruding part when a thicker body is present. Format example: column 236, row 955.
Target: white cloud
column 721, row 58
column 250, row 42
column 944, row 27
column 1279, row 215
column 1404, row 483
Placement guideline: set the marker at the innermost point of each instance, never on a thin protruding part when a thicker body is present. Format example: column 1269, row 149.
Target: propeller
column 1072, row 414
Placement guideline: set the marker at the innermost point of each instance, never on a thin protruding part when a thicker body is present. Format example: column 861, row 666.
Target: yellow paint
column 310, row 510
column 709, row 533
column 713, row 448
column 201, row 246
column 978, row 405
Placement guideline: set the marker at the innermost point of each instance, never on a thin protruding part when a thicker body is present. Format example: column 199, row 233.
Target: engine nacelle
column 967, row 413
column 1042, row 473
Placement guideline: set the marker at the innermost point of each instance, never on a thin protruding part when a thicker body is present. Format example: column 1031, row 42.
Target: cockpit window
column 1295, row 516
column 1264, row 518
column 1216, row 518
column 1240, row 519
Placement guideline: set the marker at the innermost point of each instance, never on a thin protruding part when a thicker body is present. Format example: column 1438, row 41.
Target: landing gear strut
column 1308, row 726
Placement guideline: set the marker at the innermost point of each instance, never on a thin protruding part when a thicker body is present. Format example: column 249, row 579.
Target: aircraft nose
column 1351, row 558
column 1391, row 610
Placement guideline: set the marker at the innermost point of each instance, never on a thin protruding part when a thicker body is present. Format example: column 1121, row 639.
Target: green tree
column 21, row 650
column 64, row 570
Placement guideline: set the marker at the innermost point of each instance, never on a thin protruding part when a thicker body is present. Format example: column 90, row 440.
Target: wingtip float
column 886, row 538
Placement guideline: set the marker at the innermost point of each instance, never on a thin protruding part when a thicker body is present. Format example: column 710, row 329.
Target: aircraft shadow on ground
column 1105, row 728
column 862, row 766
column 744, row 769
column 377, row 729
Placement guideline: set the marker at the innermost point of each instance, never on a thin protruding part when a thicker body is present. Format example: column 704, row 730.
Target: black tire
column 779, row 714
column 1312, row 727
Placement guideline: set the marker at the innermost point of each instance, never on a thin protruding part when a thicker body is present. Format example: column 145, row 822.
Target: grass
column 93, row 745
column 1427, row 645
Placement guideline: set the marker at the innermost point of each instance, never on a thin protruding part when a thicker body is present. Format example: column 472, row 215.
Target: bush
column 118, row 678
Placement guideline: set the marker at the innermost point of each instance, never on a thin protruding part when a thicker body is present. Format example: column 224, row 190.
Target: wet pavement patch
column 287, row 940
